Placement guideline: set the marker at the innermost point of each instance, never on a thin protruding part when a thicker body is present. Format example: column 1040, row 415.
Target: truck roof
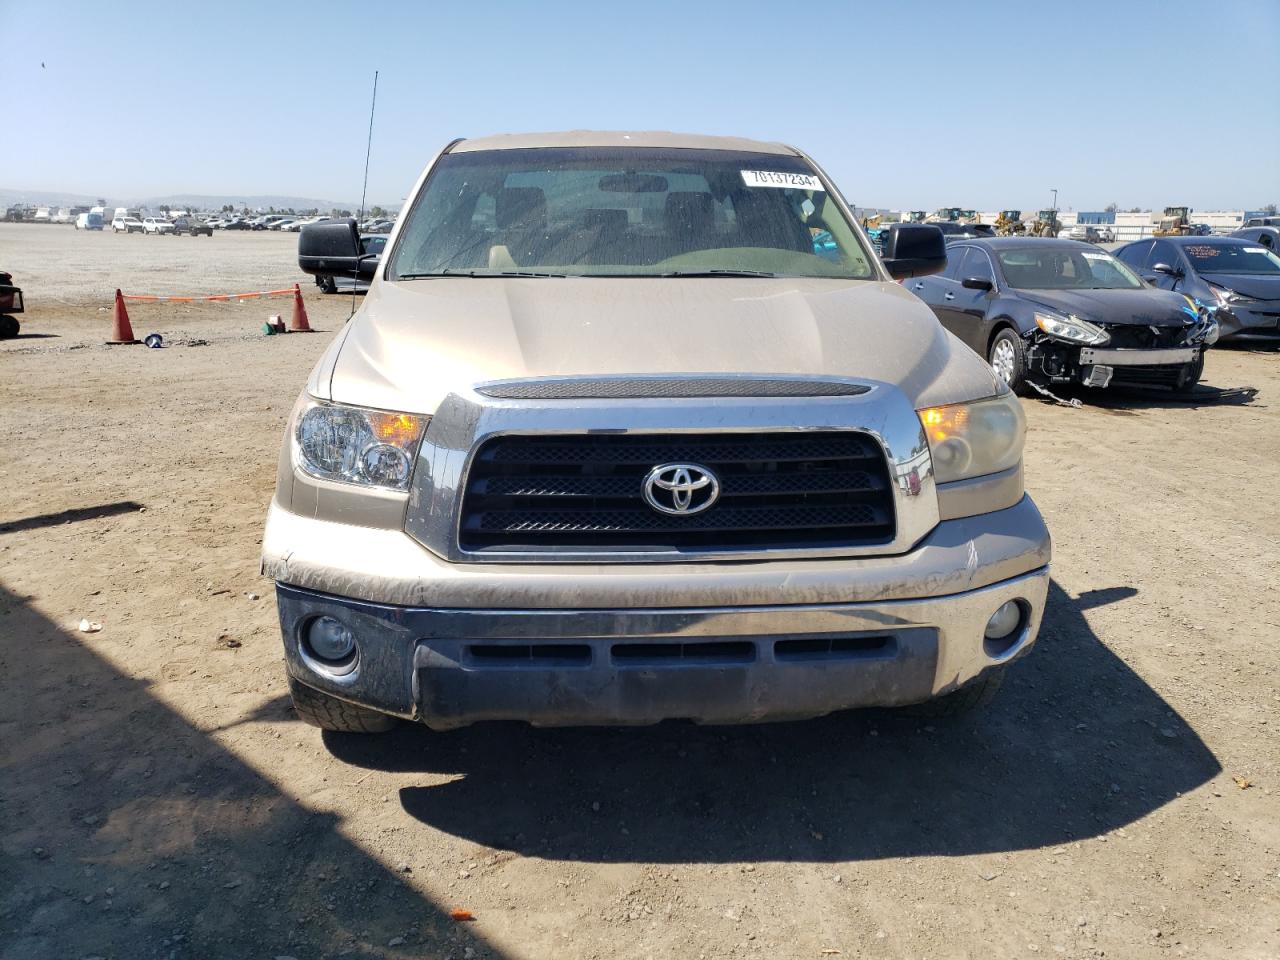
column 619, row 138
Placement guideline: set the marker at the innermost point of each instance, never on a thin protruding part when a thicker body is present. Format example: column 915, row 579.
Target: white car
column 127, row 225
column 156, row 226
column 282, row 224
column 297, row 225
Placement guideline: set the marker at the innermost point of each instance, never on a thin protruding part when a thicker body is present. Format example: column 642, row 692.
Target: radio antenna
column 364, row 190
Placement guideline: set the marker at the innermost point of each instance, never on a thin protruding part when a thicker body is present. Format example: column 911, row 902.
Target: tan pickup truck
column 637, row 426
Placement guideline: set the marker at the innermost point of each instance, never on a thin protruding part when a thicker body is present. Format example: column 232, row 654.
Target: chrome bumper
column 715, row 643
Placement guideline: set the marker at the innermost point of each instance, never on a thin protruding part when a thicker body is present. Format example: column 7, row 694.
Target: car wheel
column 330, row 713
column 1008, row 357
column 9, row 327
column 1191, row 376
column 327, row 284
column 972, row 696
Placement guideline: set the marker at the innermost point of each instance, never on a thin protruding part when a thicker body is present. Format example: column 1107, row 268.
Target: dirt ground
column 1120, row 799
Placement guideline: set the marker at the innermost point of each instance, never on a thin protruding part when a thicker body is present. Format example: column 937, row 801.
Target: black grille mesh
column 778, row 490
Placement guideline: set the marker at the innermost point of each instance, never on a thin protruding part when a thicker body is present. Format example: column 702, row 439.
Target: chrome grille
column 778, row 490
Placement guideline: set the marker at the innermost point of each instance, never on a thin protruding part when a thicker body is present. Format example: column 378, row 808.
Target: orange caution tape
column 149, row 298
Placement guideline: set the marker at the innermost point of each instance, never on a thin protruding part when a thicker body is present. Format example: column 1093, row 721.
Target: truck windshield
column 626, row 212
column 1055, row 268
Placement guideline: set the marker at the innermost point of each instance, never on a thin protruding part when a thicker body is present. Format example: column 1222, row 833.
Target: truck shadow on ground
column 131, row 833
column 1076, row 745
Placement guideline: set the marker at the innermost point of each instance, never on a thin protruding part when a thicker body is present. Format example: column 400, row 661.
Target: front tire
column 1007, row 356
column 1195, row 371
column 330, row 713
column 9, row 327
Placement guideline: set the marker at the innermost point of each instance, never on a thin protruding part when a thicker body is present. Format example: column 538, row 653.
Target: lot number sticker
column 771, row 178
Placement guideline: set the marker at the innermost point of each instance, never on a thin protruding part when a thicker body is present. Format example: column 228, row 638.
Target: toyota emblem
column 681, row 489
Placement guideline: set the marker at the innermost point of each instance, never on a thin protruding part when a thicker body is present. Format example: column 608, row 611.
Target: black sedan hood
column 1145, row 307
column 1247, row 284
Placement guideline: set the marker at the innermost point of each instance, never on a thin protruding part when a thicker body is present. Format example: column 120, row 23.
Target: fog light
column 1006, row 619
column 330, row 639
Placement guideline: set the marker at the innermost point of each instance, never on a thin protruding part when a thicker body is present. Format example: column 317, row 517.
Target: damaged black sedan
column 1045, row 311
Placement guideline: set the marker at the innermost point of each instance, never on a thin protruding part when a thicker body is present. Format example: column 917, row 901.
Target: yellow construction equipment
column 945, row 215
column 1176, row 222
column 871, row 223
column 1009, row 223
column 1046, row 224
column 915, row 216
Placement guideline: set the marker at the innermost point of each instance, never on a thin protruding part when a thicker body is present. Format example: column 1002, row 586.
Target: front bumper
column 1055, row 361
column 1256, row 322
column 640, row 643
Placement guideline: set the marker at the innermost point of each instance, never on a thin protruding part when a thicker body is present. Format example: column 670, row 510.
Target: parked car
column 265, row 222
column 236, row 224
column 369, row 247
column 1201, row 230
column 156, row 226
column 282, row 224
column 127, row 225
column 1084, row 233
column 89, row 221
column 10, row 303
column 1062, row 311
column 505, row 495
column 1106, row 235
column 297, row 225
column 1238, row 278
column 1269, row 221
column 962, row 231
column 1268, row 237
column 191, row 227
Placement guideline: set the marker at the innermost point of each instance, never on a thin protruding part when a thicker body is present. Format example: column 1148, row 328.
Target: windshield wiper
column 718, row 273
column 477, row 274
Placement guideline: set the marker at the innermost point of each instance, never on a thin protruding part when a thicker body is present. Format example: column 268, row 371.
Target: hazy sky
column 906, row 104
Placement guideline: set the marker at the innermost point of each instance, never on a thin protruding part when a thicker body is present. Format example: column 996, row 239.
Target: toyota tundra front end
column 634, row 427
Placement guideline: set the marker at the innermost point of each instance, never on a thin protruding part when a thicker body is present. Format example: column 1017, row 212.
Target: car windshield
column 1059, row 268
column 626, row 212
column 1232, row 258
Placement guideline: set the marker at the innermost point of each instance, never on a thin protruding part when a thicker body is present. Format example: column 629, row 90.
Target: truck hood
column 1144, row 308
column 414, row 342
column 1247, row 284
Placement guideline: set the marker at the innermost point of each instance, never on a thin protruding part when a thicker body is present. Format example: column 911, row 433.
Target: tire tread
column 330, row 713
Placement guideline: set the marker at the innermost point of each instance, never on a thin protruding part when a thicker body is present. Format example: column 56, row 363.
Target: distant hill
column 180, row 200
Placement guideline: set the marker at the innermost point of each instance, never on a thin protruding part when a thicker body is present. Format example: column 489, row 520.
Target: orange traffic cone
column 299, row 322
column 121, row 330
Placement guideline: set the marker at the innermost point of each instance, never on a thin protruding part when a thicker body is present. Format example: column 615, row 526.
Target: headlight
column 355, row 445
column 974, row 439
column 1228, row 297
column 1071, row 328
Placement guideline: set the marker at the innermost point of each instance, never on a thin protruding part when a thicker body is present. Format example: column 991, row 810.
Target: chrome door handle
column 949, row 296
column 918, row 286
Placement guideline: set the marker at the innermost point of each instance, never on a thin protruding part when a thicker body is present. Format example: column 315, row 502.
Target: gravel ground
column 1119, row 799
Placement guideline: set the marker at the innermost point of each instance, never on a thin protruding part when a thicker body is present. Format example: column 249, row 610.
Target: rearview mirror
column 914, row 250
column 977, row 283
column 1166, row 269
column 333, row 249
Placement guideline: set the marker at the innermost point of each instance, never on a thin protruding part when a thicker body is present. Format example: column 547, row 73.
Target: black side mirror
column 977, row 283
column 1166, row 269
column 914, row 250
column 332, row 249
